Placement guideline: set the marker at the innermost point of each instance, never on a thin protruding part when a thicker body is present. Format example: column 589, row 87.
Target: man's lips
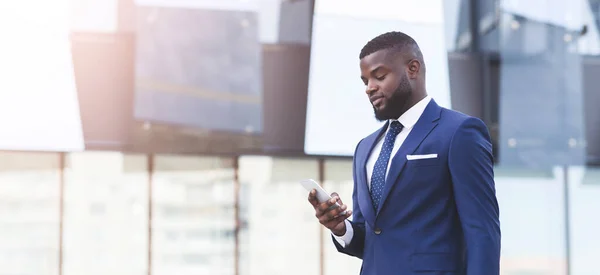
column 376, row 100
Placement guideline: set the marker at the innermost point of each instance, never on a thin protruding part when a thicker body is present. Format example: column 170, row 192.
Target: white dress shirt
column 408, row 120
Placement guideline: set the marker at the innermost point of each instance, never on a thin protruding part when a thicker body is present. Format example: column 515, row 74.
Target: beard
column 394, row 105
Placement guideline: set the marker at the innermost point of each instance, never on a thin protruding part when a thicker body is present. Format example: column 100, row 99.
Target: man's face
column 387, row 84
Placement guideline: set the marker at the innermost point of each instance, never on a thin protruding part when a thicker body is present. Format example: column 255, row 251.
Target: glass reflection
column 540, row 61
column 193, row 219
column 29, row 213
column 280, row 234
column 457, row 19
column 532, row 220
column 584, row 191
column 105, row 214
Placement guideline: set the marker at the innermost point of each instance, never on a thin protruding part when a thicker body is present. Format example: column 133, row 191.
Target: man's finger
column 331, row 214
column 336, row 211
column 312, row 198
column 324, row 206
column 337, row 220
column 335, row 195
column 339, row 200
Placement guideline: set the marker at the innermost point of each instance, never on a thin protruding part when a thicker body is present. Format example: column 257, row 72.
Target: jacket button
column 377, row 231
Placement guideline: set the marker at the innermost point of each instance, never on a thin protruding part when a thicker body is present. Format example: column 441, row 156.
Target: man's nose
column 371, row 88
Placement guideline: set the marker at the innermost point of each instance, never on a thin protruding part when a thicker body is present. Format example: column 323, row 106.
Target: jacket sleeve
column 471, row 168
column 356, row 246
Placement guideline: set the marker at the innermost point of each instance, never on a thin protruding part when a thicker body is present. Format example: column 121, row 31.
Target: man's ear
column 414, row 67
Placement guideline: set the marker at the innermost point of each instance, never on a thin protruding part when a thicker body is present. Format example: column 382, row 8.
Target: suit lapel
column 364, row 194
column 420, row 131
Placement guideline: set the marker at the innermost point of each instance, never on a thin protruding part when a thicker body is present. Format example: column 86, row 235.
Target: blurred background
column 168, row 136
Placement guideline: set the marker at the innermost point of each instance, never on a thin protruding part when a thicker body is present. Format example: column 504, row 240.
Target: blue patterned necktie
column 380, row 169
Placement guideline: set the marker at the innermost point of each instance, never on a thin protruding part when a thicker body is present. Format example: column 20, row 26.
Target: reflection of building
column 209, row 78
column 508, row 53
column 193, row 220
column 595, row 8
column 127, row 214
column 281, row 236
column 105, row 214
column 105, row 220
column 29, row 215
column 28, row 226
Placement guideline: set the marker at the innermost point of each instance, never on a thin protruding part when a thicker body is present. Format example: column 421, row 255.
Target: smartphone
column 322, row 195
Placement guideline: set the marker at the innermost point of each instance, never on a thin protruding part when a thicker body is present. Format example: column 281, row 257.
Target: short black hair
column 391, row 40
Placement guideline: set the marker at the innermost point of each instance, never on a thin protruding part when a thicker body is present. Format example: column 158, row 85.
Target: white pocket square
column 414, row 157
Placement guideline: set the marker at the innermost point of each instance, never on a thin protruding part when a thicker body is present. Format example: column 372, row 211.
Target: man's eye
column 381, row 77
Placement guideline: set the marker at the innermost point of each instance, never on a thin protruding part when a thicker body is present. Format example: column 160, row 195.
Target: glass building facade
column 531, row 76
column 109, row 212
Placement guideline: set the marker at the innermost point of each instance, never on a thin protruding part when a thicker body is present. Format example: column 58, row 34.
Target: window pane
column 279, row 234
column 105, row 214
column 457, row 19
column 29, row 213
column 540, row 60
column 584, row 191
column 338, row 178
column 532, row 221
column 193, row 218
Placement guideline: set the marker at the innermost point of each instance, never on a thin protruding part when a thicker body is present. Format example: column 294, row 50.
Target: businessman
column 424, row 199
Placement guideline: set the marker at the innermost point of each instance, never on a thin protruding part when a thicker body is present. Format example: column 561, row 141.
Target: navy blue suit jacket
column 438, row 215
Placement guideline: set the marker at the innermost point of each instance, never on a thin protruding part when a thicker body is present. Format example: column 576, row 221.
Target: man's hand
column 329, row 216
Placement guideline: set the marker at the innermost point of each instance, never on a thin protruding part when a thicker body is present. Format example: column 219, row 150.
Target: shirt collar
column 412, row 115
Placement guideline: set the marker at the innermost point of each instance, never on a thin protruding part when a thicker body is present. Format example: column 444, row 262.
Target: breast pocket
column 424, row 162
